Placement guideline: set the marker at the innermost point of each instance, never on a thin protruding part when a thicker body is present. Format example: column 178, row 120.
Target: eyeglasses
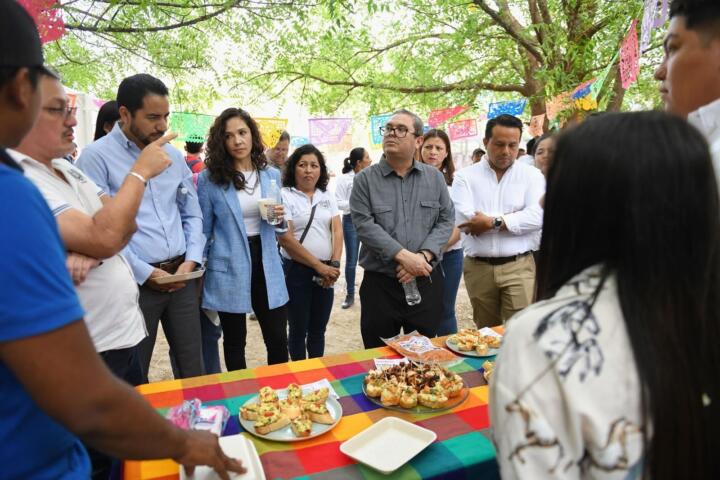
column 65, row 112
column 399, row 132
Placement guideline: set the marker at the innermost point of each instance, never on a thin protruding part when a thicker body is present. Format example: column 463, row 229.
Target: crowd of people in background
column 612, row 371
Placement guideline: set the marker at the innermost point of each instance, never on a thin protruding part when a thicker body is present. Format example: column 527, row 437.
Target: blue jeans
column 210, row 336
column 352, row 245
column 308, row 311
column 452, row 265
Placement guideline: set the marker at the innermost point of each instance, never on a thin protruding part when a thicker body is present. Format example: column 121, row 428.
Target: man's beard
column 145, row 140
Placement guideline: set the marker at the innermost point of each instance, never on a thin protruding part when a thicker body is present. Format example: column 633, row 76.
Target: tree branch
column 186, row 23
column 511, row 29
column 536, row 20
column 450, row 87
column 542, row 5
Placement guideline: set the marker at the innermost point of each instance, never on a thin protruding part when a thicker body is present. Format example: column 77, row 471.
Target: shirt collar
column 316, row 198
column 26, row 161
column 386, row 169
column 485, row 164
column 119, row 136
column 29, row 162
column 8, row 160
column 707, row 119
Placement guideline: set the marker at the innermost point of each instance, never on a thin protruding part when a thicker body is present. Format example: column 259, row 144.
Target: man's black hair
column 503, row 120
column 134, row 89
column 193, row 147
column 698, row 14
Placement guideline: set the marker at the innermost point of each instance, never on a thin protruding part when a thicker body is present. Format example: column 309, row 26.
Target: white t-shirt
column 109, row 294
column 515, row 198
column 343, row 189
column 318, row 240
column 459, row 244
column 249, row 204
column 565, row 393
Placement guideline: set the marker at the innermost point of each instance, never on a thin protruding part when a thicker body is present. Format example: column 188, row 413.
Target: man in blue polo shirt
column 53, row 384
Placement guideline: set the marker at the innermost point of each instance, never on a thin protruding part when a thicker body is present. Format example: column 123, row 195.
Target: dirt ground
column 342, row 335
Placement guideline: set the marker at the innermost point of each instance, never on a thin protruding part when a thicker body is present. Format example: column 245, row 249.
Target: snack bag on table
column 418, row 348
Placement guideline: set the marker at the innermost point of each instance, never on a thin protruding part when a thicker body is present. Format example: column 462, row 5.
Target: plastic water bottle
column 412, row 294
column 273, row 199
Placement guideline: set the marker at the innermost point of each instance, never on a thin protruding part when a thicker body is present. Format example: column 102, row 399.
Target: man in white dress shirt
column 689, row 74
column 497, row 206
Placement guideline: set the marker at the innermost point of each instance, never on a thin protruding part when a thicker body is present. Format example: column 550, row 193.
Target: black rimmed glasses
column 399, row 131
column 64, row 112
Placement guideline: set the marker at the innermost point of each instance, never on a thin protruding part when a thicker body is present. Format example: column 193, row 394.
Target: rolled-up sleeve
column 369, row 232
column 530, row 218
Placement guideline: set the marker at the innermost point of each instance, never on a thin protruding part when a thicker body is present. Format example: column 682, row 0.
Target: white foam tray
column 388, row 444
column 234, row 446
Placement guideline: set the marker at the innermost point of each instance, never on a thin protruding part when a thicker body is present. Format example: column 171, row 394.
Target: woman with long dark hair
column 614, row 374
column 354, row 163
column 244, row 271
column 312, row 247
column 107, row 116
column 435, row 151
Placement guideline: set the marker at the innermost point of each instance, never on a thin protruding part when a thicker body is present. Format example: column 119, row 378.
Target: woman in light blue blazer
column 244, row 270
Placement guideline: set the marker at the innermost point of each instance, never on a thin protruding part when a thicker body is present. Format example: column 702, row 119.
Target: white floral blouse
column 565, row 394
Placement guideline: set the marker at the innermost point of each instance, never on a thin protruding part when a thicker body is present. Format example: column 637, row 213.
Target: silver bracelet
column 139, row 177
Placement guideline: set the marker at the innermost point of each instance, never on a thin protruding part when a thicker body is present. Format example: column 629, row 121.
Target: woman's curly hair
column 220, row 164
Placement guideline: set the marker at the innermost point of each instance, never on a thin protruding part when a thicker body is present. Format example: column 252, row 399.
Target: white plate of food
column 475, row 343
column 415, row 388
column 288, row 415
column 234, row 446
column 388, row 445
column 183, row 277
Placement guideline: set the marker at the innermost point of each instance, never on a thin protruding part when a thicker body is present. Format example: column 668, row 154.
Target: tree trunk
column 617, row 95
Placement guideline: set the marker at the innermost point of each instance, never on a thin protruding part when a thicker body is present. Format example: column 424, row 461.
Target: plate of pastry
column 475, row 343
column 415, row 388
column 289, row 415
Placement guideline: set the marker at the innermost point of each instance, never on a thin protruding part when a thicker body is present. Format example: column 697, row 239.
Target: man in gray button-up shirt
column 403, row 216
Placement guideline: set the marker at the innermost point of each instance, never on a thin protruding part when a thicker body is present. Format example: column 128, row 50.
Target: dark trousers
column 384, row 310
column 179, row 313
column 124, row 364
column 308, row 311
column 352, row 245
column 210, row 334
column 452, row 267
column 273, row 322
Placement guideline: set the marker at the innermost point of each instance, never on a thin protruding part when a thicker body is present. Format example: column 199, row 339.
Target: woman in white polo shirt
column 311, row 251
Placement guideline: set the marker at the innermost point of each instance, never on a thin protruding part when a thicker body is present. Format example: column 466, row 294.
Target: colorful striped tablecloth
column 462, row 450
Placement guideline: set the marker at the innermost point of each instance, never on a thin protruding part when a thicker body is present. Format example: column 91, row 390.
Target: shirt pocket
column 217, row 264
column 429, row 212
column 383, row 215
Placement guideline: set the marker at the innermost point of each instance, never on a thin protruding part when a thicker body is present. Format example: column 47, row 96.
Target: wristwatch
column 334, row 263
column 497, row 223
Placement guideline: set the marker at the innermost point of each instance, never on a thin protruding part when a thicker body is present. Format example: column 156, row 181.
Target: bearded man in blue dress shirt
column 169, row 238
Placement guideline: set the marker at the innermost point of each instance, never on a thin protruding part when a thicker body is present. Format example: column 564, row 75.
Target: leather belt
column 501, row 260
column 171, row 265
